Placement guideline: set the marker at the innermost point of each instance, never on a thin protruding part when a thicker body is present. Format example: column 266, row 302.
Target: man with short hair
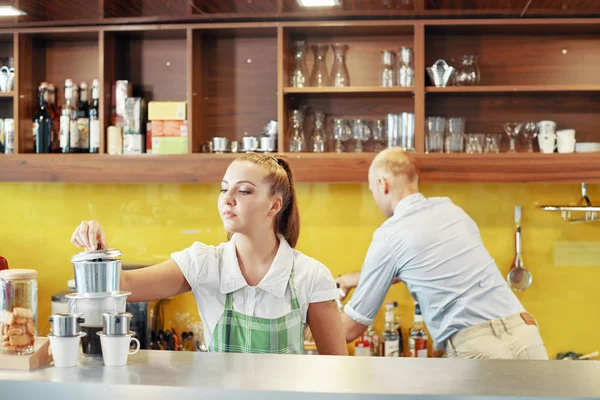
column 434, row 247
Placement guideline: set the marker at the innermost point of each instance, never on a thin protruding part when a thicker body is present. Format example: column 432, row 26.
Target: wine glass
column 530, row 133
column 513, row 130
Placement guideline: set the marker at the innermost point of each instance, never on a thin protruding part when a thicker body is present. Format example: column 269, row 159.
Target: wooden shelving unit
column 234, row 77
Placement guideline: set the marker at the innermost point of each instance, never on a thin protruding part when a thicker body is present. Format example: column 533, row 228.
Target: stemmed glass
column 513, row 130
column 529, row 133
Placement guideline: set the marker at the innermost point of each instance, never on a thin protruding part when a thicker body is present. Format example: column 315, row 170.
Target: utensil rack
column 584, row 211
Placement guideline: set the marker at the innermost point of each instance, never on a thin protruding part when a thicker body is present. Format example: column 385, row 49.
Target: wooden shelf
column 328, row 167
column 513, row 88
column 7, row 95
column 350, row 89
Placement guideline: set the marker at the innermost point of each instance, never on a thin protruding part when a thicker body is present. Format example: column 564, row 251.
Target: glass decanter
column 467, row 71
column 296, row 132
column 320, row 76
column 339, row 71
column 299, row 76
column 318, row 137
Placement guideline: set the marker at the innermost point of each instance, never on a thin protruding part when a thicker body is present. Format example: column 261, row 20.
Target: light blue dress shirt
column 434, row 247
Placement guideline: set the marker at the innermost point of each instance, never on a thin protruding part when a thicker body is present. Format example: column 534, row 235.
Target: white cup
column 565, row 144
column 64, row 350
column 546, row 127
column 566, row 134
column 115, row 349
column 547, row 143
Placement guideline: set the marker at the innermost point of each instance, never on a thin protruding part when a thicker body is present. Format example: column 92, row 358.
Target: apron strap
column 295, row 302
column 229, row 301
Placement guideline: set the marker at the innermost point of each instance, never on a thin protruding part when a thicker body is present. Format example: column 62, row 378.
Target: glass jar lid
column 18, row 274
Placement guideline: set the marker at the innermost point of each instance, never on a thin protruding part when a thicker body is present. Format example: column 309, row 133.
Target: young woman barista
column 254, row 292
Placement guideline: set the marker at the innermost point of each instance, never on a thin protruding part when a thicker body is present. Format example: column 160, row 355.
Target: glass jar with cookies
column 18, row 310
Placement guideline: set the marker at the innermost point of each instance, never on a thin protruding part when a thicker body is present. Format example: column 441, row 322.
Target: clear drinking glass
column 454, row 140
column 387, row 77
column 360, row 133
column 467, row 71
column 436, row 127
column 406, row 71
column 341, row 133
column 296, row 133
column 475, row 143
column 320, row 76
column 299, row 76
column 492, row 143
column 378, row 132
column 318, row 137
column 339, row 71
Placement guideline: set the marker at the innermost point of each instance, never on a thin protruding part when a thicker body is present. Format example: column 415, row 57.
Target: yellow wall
column 148, row 221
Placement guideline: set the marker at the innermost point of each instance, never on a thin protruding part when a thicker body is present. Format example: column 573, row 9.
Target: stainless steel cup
column 116, row 324
column 65, row 324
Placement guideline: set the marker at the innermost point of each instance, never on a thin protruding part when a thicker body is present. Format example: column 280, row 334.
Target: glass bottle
column 467, row 71
column 55, row 115
column 390, row 335
column 83, row 119
column 339, row 71
column 319, row 76
column 42, row 123
column 406, row 71
column 299, row 76
column 387, row 77
column 296, row 133
column 375, row 341
column 65, row 118
column 417, row 335
column 18, row 310
column 398, row 327
column 94, row 118
column 318, row 137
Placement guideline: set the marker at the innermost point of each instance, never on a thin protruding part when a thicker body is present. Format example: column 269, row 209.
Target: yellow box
column 169, row 145
column 167, row 110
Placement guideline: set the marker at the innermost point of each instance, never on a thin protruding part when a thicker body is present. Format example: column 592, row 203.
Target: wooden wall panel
column 241, row 86
column 521, row 58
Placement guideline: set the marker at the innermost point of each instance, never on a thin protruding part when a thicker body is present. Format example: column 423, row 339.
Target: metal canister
column 116, row 324
column 65, row 324
column 249, row 143
column 219, row 144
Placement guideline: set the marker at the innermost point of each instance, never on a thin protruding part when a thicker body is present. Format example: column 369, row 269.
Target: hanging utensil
column 519, row 278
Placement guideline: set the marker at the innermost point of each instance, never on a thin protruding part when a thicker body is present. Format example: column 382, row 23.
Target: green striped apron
column 239, row 333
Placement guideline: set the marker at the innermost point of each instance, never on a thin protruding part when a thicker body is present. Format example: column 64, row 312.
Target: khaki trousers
column 514, row 337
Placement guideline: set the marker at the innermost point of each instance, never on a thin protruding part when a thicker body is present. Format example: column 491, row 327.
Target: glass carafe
column 320, row 76
column 339, row 71
column 341, row 133
column 467, row 71
column 296, row 133
column 318, row 138
column 387, row 76
column 299, row 76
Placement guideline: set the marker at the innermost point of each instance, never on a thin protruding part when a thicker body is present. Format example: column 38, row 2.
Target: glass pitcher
column 339, row 71
column 299, row 76
column 296, row 133
column 320, row 75
column 467, row 71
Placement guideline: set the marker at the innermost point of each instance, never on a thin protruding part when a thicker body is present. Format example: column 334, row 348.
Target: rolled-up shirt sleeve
column 376, row 276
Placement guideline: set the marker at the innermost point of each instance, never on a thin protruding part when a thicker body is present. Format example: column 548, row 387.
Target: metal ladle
column 519, row 278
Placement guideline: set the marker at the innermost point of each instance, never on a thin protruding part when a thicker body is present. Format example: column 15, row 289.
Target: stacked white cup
column 547, row 136
column 566, row 140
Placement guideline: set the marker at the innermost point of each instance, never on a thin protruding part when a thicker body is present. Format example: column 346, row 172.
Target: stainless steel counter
column 179, row 375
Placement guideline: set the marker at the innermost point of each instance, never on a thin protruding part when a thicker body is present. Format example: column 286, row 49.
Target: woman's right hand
column 89, row 234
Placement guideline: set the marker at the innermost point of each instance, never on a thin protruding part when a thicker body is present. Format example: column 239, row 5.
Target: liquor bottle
column 83, row 119
column 94, row 118
column 417, row 336
column 73, row 128
column 55, row 115
column 42, row 124
column 65, row 119
column 398, row 327
column 390, row 335
column 375, row 341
